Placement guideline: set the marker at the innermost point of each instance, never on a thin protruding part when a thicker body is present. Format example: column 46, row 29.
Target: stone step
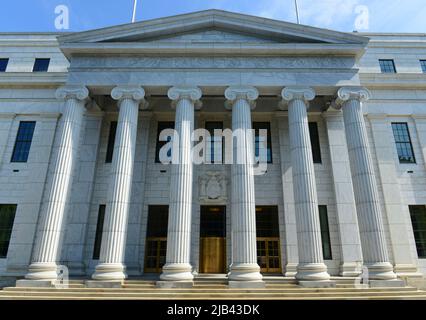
column 408, row 297
column 200, row 291
column 207, row 293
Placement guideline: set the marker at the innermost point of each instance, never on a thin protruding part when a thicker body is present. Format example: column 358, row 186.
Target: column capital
column 191, row 93
column 248, row 93
column 72, row 92
column 297, row 93
column 133, row 92
column 351, row 93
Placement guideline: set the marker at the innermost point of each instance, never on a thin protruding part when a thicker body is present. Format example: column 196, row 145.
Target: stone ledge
column 387, row 283
column 25, row 283
column 103, row 284
column 318, row 284
column 174, row 284
column 246, row 284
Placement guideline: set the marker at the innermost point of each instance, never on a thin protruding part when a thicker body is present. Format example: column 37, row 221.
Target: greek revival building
column 82, row 184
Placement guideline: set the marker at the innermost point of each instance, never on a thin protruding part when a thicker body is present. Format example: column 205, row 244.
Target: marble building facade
column 343, row 189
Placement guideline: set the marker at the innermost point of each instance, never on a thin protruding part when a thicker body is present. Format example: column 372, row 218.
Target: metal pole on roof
column 135, row 4
column 297, row 11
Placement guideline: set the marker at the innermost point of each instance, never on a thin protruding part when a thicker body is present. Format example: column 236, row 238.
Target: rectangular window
column 260, row 140
column 23, row 141
column 162, row 126
column 387, row 66
column 403, row 143
column 3, row 64
column 423, row 65
column 315, row 142
column 111, row 141
column 418, row 220
column 41, row 65
column 214, row 144
column 7, row 216
column 325, row 233
column 99, row 230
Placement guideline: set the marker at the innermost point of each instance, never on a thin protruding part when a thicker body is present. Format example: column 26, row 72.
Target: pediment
column 213, row 26
column 211, row 35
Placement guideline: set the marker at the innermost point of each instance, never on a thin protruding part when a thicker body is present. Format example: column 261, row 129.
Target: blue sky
column 384, row 15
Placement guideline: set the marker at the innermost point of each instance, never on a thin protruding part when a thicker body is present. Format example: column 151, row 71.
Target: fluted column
column 178, row 267
column 311, row 265
column 244, row 267
column 111, row 266
column 370, row 221
column 47, row 248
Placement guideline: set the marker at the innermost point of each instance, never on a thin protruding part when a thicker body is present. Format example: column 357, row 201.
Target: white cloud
column 327, row 13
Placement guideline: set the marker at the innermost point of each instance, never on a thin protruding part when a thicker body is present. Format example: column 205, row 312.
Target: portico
column 237, row 71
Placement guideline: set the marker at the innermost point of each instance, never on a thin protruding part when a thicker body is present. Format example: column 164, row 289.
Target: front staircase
column 213, row 288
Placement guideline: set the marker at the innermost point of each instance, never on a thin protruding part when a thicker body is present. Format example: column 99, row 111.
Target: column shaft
column 178, row 267
column 350, row 242
column 373, row 239
column 244, row 265
column 114, row 235
column 311, row 265
column 47, row 248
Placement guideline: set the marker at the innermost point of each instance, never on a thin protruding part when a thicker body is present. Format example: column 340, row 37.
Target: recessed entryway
column 213, row 239
column 268, row 239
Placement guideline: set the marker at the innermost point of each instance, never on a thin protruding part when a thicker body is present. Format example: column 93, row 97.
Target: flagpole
column 135, row 4
column 297, row 11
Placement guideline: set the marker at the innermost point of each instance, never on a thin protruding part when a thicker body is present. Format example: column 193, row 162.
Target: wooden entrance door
column 212, row 239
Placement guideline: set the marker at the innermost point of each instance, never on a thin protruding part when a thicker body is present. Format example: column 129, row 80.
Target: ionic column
column 373, row 238
column 47, row 248
column 244, row 269
column 178, row 267
column 111, row 267
column 311, row 265
column 350, row 242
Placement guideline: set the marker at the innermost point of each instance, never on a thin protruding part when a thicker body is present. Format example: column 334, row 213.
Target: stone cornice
column 23, row 79
column 393, row 81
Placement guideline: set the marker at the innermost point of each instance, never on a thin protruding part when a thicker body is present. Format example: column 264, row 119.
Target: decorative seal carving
column 250, row 94
column 191, row 93
column 136, row 93
column 72, row 92
column 351, row 93
column 213, row 187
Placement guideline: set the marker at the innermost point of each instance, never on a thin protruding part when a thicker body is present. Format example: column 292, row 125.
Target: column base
column 110, row 272
column 407, row 271
column 318, row 284
column 174, row 284
column 290, row 270
column 45, row 271
column 380, row 271
column 350, row 269
column 387, row 283
column 246, row 284
column 177, row 272
column 247, row 272
column 312, row 272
